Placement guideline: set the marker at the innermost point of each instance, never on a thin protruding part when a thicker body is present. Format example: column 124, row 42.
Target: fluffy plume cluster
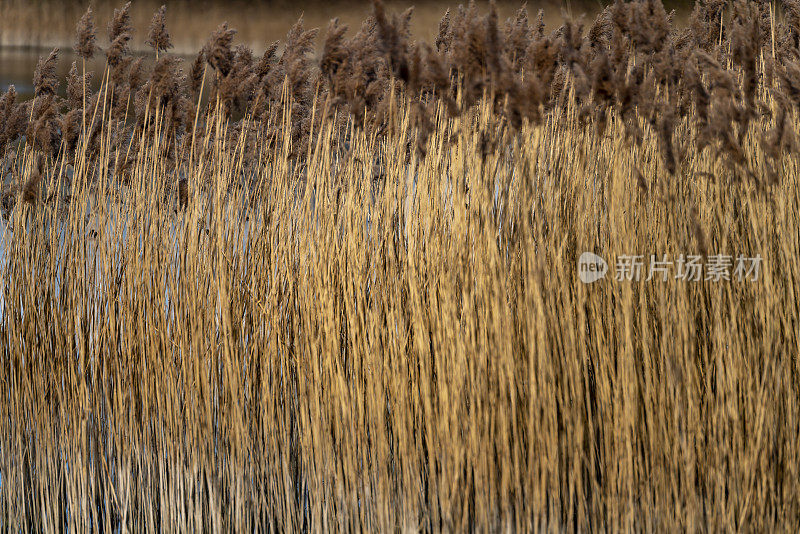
column 158, row 36
column 86, row 36
column 120, row 32
column 45, row 81
column 632, row 65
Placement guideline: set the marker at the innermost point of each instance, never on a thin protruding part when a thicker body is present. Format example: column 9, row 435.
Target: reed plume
column 266, row 61
column 295, row 64
column 32, row 188
column 196, row 73
column 45, row 81
column 76, row 85
column 86, row 36
column 393, row 38
column 218, row 52
column 517, row 38
column 442, row 41
column 120, row 32
column 706, row 24
column 334, row 52
column 157, row 35
column 70, row 126
column 136, row 74
column 8, row 106
column 745, row 36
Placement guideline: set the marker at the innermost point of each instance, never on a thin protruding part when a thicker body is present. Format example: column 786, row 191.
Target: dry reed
column 281, row 294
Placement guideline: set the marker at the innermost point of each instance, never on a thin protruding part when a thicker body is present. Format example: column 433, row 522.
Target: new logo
column 591, row 268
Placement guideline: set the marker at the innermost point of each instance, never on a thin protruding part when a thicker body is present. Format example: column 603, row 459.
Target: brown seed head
column 120, row 32
column 157, row 35
column 218, row 51
column 45, row 81
column 86, row 36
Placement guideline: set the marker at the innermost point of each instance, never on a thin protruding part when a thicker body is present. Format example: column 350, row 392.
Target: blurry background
column 31, row 28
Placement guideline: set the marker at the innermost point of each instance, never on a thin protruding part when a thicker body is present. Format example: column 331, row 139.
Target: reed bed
column 278, row 293
column 50, row 23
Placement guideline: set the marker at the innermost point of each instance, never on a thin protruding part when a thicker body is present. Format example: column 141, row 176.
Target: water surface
column 18, row 64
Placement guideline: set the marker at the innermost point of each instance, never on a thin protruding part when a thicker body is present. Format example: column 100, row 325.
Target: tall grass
column 333, row 306
column 50, row 23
